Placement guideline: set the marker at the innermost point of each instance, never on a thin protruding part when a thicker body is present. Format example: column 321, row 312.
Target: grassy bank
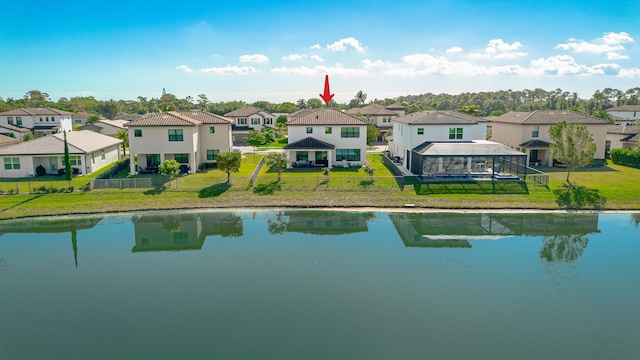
column 619, row 185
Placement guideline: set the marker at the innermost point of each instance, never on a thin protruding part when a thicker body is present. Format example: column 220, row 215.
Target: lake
column 321, row 285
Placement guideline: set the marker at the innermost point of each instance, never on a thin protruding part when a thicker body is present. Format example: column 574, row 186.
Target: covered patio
column 309, row 152
column 538, row 152
column 476, row 160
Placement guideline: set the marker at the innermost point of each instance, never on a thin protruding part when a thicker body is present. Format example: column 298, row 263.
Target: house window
column 137, row 133
column 180, row 238
column 302, row 156
column 12, row 163
column 420, row 131
column 175, row 135
column 40, row 118
column 182, row 158
column 242, row 121
column 212, row 155
column 348, row 154
column 309, row 130
column 53, row 118
column 212, row 130
column 102, row 156
column 536, row 130
column 19, row 120
column 328, row 130
column 10, row 120
column 75, row 160
column 455, row 133
column 255, row 121
column 268, row 121
column 46, row 118
column 153, row 159
column 350, row 132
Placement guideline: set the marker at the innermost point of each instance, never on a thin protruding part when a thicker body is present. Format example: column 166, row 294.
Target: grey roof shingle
column 35, row 112
column 372, row 110
column 436, row 117
column 170, row 118
column 244, row 111
column 549, row 117
column 80, row 142
column 535, row 143
column 326, row 116
column 309, row 143
column 206, row 117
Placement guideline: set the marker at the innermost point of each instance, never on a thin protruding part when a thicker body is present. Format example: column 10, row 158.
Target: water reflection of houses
column 456, row 229
column 173, row 231
column 320, row 222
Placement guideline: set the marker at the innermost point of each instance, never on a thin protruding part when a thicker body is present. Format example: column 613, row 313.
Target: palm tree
column 124, row 136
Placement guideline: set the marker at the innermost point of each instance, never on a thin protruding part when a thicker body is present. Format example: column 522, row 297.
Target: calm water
column 321, row 285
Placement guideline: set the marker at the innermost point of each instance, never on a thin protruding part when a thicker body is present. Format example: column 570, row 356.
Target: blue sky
column 280, row 51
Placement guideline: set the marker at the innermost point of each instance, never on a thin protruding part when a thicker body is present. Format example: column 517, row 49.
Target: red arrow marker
column 327, row 96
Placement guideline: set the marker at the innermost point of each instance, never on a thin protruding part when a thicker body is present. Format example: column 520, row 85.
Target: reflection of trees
column 566, row 248
column 172, row 225
column 278, row 225
column 635, row 220
column 74, row 245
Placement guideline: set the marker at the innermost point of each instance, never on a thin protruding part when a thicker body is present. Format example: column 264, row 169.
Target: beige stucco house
column 89, row 151
column 625, row 114
column 622, row 137
column 379, row 115
column 251, row 117
column 191, row 137
column 106, row 127
column 529, row 132
column 326, row 137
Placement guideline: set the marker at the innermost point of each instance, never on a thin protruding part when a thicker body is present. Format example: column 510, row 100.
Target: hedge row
column 626, row 157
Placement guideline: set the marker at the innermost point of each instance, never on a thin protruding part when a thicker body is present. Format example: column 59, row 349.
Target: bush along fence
column 626, row 157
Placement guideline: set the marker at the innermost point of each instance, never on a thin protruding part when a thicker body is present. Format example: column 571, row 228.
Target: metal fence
column 331, row 182
column 128, row 183
column 538, row 177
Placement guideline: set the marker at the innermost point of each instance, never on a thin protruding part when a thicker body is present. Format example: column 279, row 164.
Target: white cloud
column 632, row 72
column 567, row 65
column 230, row 70
column 368, row 64
column 498, row 49
column 319, row 70
column 317, row 58
column 184, row 68
column 254, row 58
column 454, row 50
column 610, row 42
column 316, row 47
column 346, row 44
column 616, row 56
column 294, row 57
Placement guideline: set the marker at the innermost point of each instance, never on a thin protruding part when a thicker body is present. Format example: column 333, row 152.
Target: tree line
column 479, row 103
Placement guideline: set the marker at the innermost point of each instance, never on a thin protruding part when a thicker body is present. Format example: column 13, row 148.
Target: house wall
column 299, row 132
column 98, row 159
column 65, row 121
column 220, row 140
column 155, row 140
column 26, row 167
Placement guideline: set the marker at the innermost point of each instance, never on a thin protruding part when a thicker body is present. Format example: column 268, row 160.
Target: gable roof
column 549, row 117
column 120, row 123
column 437, row 117
column 80, row 142
column 35, row 112
column 326, row 116
column 170, row 118
column 309, row 143
column 14, row 128
column 245, row 111
column 206, row 117
column 7, row 140
column 372, row 110
column 299, row 113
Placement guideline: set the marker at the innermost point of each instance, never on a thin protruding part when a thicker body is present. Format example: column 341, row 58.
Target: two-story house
column 40, row 121
column 326, row 137
column 251, row 118
column 626, row 114
column 529, row 132
column 379, row 115
column 190, row 137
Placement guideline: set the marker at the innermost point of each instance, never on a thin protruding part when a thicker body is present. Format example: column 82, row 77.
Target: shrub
column 626, row 157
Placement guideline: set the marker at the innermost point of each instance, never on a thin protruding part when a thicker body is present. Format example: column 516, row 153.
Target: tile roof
column 631, row 138
column 170, row 118
column 549, row 117
column 326, row 116
column 7, row 140
column 625, row 108
column 436, row 117
column 35, row 111
column 120, row 123
column 14, row 128
column 372, row 110
column 128, row 117
column 244, row 111
column 396, row 106
column 535, row 143
column 300, row 113
column 206, row 117
column 309, row 143
column 623, row 129
column 80, row 142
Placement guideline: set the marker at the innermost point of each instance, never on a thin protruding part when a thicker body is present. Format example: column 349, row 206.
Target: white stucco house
column 326, row 137
column 89, row 151
column 191, row 138
column 252, row 118
column 529, row 132
column 40, row 121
